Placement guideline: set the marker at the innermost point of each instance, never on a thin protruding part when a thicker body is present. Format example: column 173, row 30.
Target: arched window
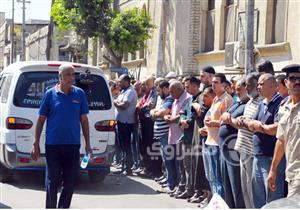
column 278, row 21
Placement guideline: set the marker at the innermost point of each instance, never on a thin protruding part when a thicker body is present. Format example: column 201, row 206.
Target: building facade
column 6, row 39
column 191, row 34
column 223, row 34
column 62, row 45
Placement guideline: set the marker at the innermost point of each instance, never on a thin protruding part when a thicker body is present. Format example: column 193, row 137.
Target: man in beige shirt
column 212, row 122
column 288, row 134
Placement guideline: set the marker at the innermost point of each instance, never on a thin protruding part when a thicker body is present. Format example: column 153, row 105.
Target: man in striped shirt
column 244, row 138
column 264, row 127
column 161, row 127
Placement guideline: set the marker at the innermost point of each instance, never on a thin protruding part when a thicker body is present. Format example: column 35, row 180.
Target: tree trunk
column 115, row 60
column 49, row 36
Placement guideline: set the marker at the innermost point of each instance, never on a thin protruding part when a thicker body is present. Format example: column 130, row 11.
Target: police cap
column 292, row 68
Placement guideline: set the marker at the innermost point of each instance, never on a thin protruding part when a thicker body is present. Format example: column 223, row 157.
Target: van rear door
column 30, row 89
column 100, row 108
column 28, row 94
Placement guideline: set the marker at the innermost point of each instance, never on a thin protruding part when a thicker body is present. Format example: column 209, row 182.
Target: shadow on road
column 33, row 180
column 3, row 206
column 112, row 185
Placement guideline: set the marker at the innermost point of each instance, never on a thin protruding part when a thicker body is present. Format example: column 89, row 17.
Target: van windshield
column 31, row 87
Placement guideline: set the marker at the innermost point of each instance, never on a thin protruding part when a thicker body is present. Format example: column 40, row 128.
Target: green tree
column 121, row 32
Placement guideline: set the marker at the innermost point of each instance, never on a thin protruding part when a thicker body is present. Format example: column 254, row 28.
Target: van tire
column 96, row 176
column 6, row 174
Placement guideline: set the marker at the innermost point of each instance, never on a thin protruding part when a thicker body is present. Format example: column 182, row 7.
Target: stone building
column 190, row 34
column 222, row 32
column 62, row 45
column 5, row 38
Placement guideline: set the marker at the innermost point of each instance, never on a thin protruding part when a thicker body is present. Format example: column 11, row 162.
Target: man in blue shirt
column 65, row 108
column 264, row 127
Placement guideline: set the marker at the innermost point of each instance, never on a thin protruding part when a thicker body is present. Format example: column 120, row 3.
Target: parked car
column 22, row 86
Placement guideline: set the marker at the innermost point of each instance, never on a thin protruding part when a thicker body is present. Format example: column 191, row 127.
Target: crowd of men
column 201, row 135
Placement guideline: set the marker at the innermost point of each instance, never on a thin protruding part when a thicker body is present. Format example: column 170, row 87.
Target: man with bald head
column 264, row 127
column 65, row 108
column 181, row 98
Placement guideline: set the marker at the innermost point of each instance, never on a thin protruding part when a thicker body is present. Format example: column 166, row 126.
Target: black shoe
column 145, row 174
column 204, row 203
column 171, row 191
column 134, row 167
column 163, row 181
column 196, row 195
column 139, row 170
column 176, row 193
column 198, row 200
column 157, row 179
column 184, row 195
column 164, row 185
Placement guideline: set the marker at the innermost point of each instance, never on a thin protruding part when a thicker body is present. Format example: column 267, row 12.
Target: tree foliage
column 121, row 32
column 129, row 30
column 62, row 16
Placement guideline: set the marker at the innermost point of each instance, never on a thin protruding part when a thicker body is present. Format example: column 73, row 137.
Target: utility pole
column 249, row 59
column 12, row 33
column 23, row 29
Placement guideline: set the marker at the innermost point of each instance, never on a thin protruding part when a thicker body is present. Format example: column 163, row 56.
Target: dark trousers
column 156, row 158
column 62, row 166
column 118, row 153
column 180, row 165
column 135, row 145
column 146, row 142
column 231, row 176
column 201, row 182
column 172, row 167
column 189, row 162
column 125, row 132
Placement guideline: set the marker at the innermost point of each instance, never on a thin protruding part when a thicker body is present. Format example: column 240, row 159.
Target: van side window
column 5, row 86
column 31, row 87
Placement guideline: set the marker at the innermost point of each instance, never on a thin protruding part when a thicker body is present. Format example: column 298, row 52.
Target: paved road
column 117, row 191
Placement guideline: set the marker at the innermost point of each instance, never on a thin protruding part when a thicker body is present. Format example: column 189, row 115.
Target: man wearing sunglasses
column 288, row 135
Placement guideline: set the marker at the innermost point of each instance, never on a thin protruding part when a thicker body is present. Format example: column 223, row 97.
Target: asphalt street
column 117, row 191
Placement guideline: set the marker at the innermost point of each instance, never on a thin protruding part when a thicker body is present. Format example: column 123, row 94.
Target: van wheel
column 96, row 176
column 6, row 174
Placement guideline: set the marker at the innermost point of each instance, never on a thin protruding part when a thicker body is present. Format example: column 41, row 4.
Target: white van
column 22, row 86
